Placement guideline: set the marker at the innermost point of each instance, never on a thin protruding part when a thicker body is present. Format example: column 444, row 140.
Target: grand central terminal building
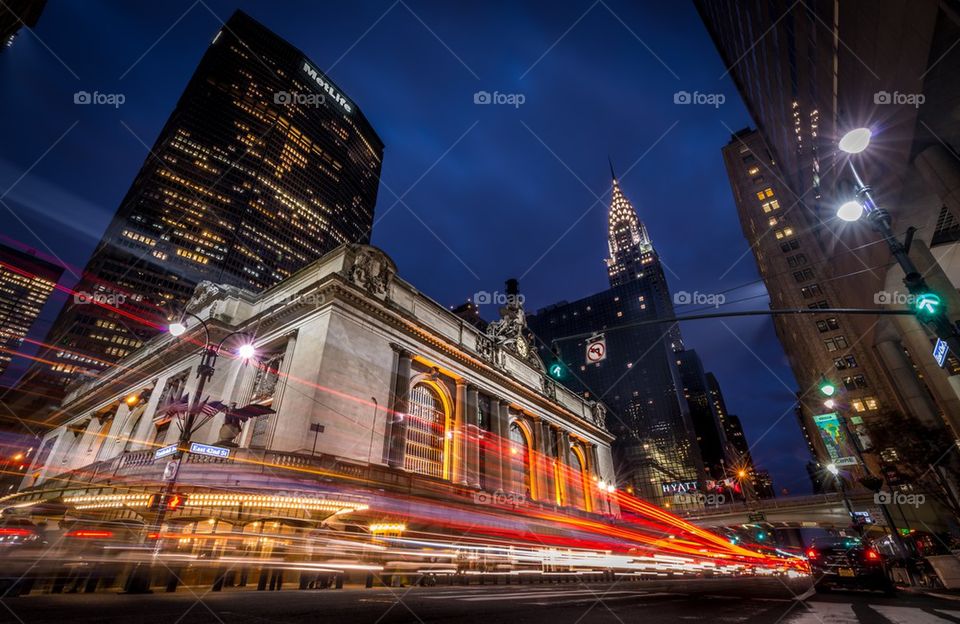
column 364, row 406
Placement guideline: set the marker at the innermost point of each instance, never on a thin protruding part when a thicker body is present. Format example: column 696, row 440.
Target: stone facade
column 366, row 377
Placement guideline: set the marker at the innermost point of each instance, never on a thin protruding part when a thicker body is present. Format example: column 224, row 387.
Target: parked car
column 848, row 562
column 20, row 541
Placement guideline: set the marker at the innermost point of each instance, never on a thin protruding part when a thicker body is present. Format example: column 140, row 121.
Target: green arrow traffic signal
column 556, row 370
column 928, row 305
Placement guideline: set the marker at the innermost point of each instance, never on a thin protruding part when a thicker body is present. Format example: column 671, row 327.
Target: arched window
column 575, row 480
column 520, row 461
column 425, row 431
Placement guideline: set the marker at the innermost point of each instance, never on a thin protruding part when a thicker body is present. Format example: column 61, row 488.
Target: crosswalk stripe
column 603, row 598
column 537, row 596
column 551, row 591
column 826, row 613
column 955, row 614
column 907, row 615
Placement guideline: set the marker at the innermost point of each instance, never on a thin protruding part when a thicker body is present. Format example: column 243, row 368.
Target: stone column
column 564, row 458
column 458, row 463
column 472, row 438
column 547, row 458
column 590, row 471
column 908, row 387
column 491, row 450
column 595, row 458
column 396, row 428
column 506, row 457
column 252, row 428
column 536, row 459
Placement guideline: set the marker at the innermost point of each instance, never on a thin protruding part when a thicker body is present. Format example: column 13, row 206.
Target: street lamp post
column 743, row 476
column 205, row 371
column 927, row 303
column 138, row 582
column 835, row 471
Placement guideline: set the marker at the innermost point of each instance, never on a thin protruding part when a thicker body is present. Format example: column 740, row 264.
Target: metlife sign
column 318, row 78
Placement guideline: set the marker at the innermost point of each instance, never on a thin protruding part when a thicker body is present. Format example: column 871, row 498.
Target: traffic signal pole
column 138, row 582
column 929, row 311
column 732, row 314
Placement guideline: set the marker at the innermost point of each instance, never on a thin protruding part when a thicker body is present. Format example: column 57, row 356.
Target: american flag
column 212, row 408
column 176, row 406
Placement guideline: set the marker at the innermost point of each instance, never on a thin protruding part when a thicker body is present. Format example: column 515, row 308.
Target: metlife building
column 264, row 166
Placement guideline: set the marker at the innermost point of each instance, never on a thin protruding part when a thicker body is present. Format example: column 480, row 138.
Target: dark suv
column 848, row 562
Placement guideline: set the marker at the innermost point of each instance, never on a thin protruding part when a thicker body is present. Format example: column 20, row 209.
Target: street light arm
column 206, row 328
column 862, row 191
column 231, row 335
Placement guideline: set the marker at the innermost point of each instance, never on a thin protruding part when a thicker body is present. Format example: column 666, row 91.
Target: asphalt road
column 619, row 603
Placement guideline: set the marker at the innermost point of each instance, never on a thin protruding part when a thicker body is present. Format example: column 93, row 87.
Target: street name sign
column 165, row 451
column 210, row 451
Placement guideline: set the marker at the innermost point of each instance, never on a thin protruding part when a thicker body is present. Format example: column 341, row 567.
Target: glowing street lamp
column 929, row 307
column 246, row 351
column 855, row 141
column 832, row 469
column 177, row 329
column 850, row 211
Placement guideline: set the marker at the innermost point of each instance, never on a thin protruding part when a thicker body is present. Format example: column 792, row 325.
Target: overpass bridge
column 824, row 510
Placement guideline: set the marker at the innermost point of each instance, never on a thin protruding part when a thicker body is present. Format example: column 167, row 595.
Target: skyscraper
column 26, row 282
column 264, row 165
column 808, row 72
column 794, row 271
column 639, row 380
column 711, row 437
column 15, row 15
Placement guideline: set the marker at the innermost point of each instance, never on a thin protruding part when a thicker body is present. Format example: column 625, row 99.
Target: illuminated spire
column 626, row 232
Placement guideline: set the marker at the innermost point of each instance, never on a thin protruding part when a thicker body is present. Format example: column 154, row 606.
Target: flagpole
column 138, row 582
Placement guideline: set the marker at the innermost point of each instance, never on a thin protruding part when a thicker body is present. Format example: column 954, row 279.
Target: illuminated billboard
column 835, row 439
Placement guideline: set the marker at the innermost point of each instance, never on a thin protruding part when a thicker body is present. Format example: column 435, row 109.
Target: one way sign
column 596, row 349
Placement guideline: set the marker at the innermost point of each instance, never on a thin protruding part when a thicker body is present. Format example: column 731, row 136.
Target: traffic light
column 826, row 387
column 170, row 503
column 928, row 305
column 555, row 367
column 556, row 370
